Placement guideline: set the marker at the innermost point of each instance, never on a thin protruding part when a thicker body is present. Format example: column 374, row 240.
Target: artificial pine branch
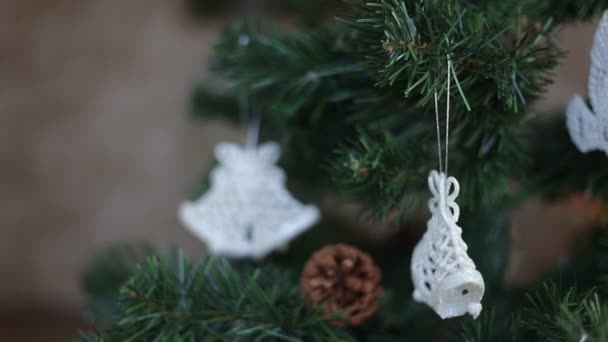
column 316, row 91
column 494, row 64
column 550, row 314
column 357, row 99
column 303, row 84
column 171, row 299
column 566, row 307
column 104, row 276
column 490, row 326
column 379, row 170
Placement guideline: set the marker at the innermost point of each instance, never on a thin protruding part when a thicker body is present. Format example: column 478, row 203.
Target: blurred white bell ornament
column 589, row 127
column 247, row 211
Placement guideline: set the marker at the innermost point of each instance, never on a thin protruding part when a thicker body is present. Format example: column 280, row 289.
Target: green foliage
column 400, row 318
column 407, row 42
column 544, row 308
column 497, row 70
column 487, row 229
column 551, row 314
column 559, row 310
column 353, row 101
column 382, row 170
column 589, row 319
column 559, row 167
column 490, row 326
column 603, row 266
column 556, row 315
column 104, row 276
column 171, row 299
column 317, row 90
column 295, row 81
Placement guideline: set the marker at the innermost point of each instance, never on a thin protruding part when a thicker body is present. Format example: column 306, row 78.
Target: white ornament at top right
column 589, row 127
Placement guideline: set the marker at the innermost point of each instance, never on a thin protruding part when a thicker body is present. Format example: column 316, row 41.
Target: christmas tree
column 365, row 99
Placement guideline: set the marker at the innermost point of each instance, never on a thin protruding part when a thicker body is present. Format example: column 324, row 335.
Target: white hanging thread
column 253, row 127
column 247, row 211
column 589, row 127
column 444, row 276
column 447, row 121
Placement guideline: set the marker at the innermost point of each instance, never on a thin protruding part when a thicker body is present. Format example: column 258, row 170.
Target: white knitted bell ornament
column 444, row 276
column 588, row 127
column 247, row 211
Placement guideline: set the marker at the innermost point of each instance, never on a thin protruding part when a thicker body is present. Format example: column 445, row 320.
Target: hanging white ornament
column 589, row 127
column 444, row 276
column 247, row 211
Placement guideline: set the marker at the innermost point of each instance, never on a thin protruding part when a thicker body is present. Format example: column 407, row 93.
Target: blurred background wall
column 96, row 144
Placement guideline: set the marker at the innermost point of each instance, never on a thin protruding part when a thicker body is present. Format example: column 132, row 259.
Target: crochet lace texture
column 247, row 211
column 444, row 276
column 589, row 127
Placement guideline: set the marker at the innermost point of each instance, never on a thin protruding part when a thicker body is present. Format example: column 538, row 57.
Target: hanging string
column 253, row 129
column 447, row 115
column 438, row 133
column 252, row 117
column 447, row 121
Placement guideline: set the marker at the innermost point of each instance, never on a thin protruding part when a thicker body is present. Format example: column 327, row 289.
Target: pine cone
column 341, row 278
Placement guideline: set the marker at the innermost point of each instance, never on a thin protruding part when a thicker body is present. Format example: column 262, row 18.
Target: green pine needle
column 172, row 299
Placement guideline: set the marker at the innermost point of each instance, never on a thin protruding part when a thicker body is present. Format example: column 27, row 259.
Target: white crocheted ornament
column 444, row 276
column 247, row 212
column 589, row 127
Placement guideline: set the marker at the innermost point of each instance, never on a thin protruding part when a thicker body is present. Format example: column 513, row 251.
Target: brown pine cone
column 341, row 278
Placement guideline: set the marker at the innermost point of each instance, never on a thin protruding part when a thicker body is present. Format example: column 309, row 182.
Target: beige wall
column 95, row 140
